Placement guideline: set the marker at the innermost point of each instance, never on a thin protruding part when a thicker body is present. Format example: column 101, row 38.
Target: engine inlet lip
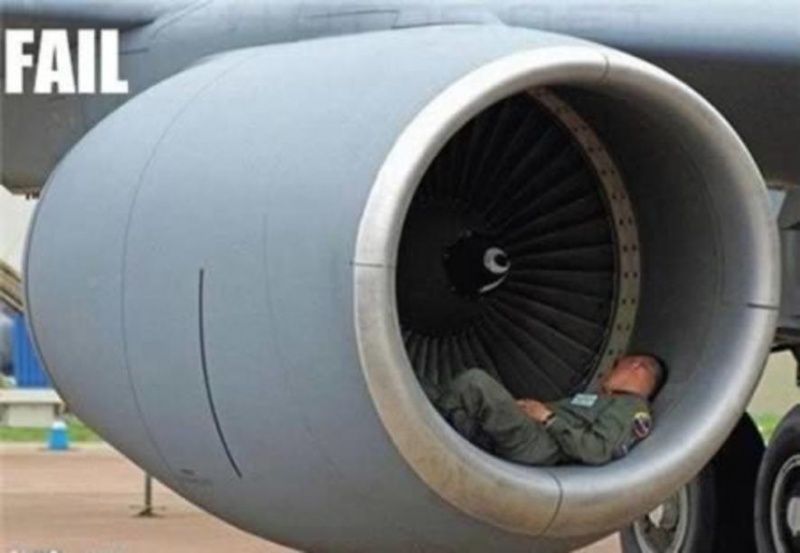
column 521, row 499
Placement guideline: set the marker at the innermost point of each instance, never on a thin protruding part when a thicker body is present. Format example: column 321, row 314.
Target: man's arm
column 536, row 410
column 591, row 444
column 610, row 436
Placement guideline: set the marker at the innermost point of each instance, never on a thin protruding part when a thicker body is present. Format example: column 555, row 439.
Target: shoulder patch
column 584, row 400
column 642, row 424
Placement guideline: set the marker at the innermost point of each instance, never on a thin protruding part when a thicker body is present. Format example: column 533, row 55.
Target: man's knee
column 471, row 379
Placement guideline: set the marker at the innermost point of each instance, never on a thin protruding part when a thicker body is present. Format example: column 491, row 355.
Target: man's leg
column 478, row 406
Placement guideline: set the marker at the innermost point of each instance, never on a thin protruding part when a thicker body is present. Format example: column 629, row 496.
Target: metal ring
column 626, row 235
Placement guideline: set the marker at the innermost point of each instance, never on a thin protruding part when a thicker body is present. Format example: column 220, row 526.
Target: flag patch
column 642, row 424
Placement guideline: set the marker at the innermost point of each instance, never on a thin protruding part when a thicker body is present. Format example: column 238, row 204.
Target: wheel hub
column 793, row 515
column 785, row 507
column 664, row 529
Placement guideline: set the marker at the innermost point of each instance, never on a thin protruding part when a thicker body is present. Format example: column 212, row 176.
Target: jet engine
column 239, row 277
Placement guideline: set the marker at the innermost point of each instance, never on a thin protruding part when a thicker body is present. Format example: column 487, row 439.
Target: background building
column 15, row 216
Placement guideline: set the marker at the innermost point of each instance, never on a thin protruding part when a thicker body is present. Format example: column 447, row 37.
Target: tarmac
column 86, row 500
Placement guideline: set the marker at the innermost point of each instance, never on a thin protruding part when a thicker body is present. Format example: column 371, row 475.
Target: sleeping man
column 590, row 429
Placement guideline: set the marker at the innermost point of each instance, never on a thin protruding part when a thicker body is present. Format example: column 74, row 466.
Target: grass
column 767, row 422
column 78, row 432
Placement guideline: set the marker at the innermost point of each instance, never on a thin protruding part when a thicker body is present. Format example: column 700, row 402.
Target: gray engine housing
column 210, row 280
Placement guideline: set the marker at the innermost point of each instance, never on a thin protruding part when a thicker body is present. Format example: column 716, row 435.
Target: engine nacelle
column 235, row 276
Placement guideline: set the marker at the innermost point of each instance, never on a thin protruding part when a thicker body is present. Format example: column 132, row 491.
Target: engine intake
column 667, row 245
column 519, row 253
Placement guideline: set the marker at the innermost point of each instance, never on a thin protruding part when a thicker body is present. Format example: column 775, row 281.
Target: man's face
column 630, row 374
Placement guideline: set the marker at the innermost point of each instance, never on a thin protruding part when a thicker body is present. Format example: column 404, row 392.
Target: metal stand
column 148, row 511
column 796, row 353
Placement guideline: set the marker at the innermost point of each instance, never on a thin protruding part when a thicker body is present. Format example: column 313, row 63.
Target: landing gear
column 777, row 516
column 679, row 524
column 714, row 512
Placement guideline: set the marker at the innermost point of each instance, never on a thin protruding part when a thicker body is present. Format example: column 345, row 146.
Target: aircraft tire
column 778, row 483
column 717, row 504
column 683, row 523
column 736, row 470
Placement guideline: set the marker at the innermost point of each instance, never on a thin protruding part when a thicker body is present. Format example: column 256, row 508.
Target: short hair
column 659, row 369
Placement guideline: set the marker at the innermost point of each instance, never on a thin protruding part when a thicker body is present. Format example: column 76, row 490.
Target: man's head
column 636, row 374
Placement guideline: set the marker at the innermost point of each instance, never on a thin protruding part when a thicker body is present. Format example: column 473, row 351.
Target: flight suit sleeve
column 590, row 444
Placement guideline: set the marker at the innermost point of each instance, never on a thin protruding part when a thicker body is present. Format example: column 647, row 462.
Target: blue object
column 59, row 437
column 28, row 371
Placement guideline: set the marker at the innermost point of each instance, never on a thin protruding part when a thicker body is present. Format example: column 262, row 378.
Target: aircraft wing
column 766, row 30
column 124, row 14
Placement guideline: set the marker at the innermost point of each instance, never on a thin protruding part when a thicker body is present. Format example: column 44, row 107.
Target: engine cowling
column 234, row 276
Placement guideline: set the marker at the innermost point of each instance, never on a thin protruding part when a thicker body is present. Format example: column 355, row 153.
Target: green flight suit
column 588, row 429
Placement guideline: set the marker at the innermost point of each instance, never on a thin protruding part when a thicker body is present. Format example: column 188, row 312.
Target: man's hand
column 534, row 409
